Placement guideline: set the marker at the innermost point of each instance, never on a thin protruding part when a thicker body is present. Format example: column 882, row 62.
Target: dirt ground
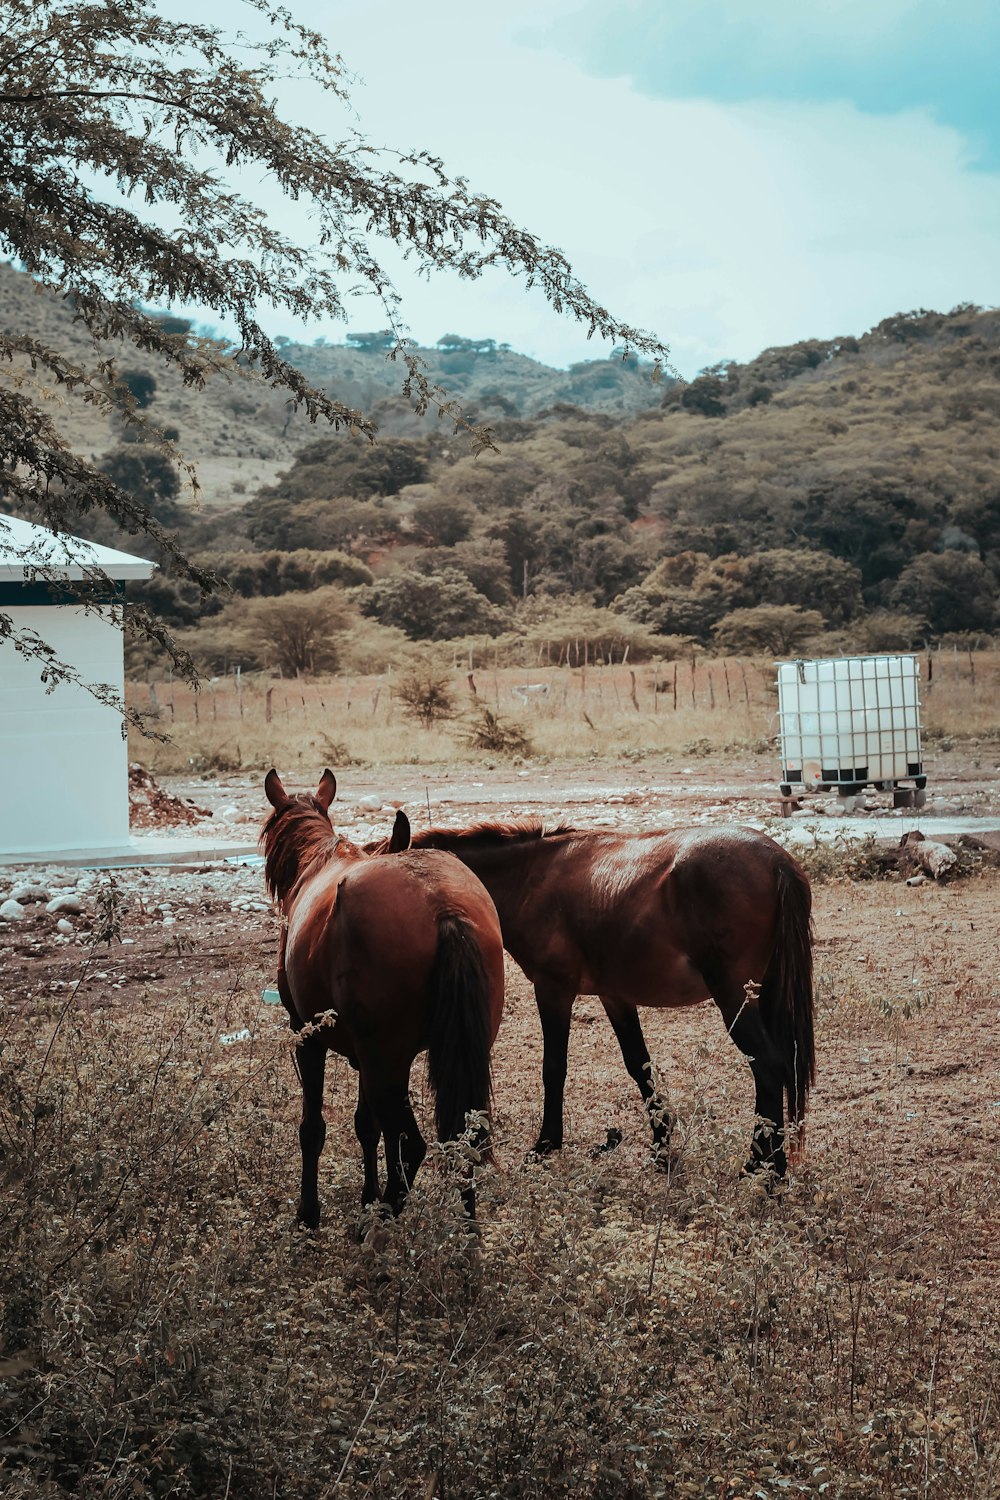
column 907, row 977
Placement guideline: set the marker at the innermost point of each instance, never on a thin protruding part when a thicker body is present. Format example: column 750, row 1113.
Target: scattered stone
column 12, row 911
column 66, row 928
column 228, row 814
column 28, row 892
column 927, row 855
column 935, row 858
column 369, row 804
column 229, row 1038
column 71, row 904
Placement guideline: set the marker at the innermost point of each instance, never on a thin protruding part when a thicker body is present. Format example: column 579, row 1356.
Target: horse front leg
column 635, row 1054
column 555, row 1007
column 311, row 1060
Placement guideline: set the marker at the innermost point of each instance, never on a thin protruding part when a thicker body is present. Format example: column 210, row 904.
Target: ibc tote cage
column 851, row 722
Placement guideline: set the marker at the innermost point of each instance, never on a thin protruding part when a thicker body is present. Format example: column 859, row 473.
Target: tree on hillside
column 948, row 591
column 780, row 629
column 432, row 606
column 786, row 576
column 140, row 384
column 298, row 632
column 442, row 521
column 148, row 477
column 120, row 134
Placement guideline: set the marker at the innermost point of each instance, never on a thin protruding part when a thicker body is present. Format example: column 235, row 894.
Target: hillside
column 239, row 434
column 839, row 494
column 826, row 494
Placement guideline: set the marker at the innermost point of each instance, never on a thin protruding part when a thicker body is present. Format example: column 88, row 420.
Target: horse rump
column 458, row 1027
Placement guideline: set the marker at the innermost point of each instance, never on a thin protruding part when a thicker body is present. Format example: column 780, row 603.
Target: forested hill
column 825, row 493
column 240, row 434
column 852, row 485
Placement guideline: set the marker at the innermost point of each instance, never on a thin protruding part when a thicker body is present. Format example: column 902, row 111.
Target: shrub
column 949, row 591
column 442, row 520
column 488, row 731
column 778, row 628
column 432, row 607
column 140, row 384
column 426, row 695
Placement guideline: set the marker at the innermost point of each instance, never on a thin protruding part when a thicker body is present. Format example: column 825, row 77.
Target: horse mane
column 519, row 831
column 297, row 840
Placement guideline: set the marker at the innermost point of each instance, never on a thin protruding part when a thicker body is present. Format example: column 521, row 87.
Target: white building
column 63, row 761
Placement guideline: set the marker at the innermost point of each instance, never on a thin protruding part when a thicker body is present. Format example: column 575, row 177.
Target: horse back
column 642, row 914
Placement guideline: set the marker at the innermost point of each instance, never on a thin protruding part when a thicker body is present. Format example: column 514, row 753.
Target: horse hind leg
column 743, row 1022
column 367, row 1130
column 635, row 1054
column 405, row 1147
column 311, row 1060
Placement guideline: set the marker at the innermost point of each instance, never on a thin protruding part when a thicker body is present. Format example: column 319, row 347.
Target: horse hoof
column 612, row 1143
column 544, row 1147
column 769, row 1173
column 308, row 1222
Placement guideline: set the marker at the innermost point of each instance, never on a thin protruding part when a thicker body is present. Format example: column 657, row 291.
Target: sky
column 727, row 174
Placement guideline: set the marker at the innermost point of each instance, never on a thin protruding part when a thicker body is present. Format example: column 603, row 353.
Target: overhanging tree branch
column 118, row 131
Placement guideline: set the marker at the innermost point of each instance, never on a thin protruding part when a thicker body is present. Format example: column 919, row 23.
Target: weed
column 426, row 695
column 487, row 731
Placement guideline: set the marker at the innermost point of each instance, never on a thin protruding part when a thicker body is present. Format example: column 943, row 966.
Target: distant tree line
column 846, row 492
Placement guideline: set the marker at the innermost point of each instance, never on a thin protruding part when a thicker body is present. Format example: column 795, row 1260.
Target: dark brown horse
column 662, row 919
column 379, row 959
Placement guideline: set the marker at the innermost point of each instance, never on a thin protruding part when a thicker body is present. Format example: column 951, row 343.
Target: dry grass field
column 253, row 721
column 610, row 1329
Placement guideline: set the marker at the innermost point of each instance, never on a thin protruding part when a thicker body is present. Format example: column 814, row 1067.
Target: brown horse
column 379, row 959
column 662, row 919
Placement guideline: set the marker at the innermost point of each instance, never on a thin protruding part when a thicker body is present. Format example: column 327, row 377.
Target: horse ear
column 327, row 789
column 273, row 789
column 399, row 839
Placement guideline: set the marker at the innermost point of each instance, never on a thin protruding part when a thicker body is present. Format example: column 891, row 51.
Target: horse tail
column 458, row 1027
column 786, row 999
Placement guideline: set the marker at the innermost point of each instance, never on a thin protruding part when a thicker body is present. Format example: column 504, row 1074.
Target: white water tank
column 850, row 720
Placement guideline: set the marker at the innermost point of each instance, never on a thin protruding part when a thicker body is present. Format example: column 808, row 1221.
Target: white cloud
column 722, row 228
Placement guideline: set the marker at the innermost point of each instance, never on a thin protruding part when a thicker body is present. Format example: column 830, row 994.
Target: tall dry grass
column 612, row 1333
column 679, row 708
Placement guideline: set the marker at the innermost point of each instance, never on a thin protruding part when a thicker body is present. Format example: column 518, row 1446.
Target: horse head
column 279, row 799
column 296, row 832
